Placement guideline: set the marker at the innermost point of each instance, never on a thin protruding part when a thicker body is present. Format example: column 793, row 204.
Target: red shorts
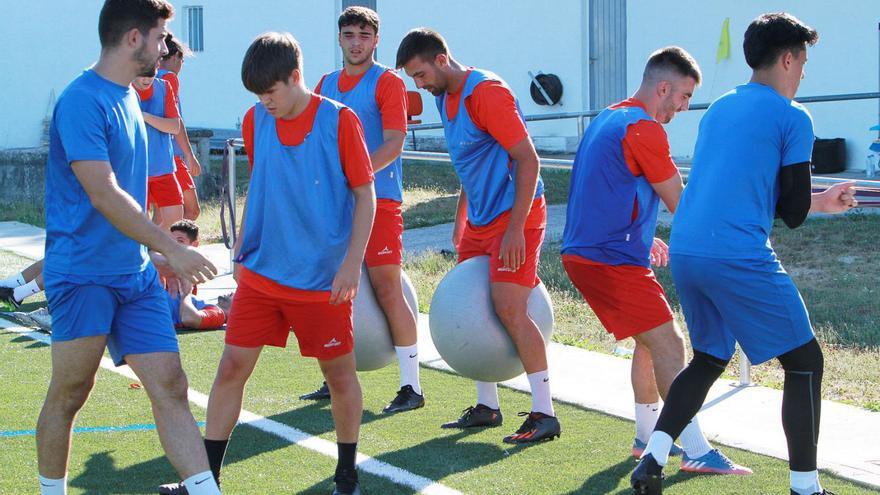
column 182, row 174
column 526, row 274
column 163, row 190
column 627, row 299
column 324, row 331
column 385, row 246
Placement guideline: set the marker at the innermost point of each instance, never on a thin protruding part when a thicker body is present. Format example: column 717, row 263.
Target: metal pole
column 745, row 369
column 230, row 155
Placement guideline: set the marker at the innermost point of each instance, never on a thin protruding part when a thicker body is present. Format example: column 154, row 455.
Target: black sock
column 216, row 450
column 801, row 404
column 347, row 454
column 688, row 392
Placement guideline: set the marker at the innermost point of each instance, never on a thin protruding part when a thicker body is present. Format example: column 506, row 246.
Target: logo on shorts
column 505, row 269
column 384, row 252
column 333, row 343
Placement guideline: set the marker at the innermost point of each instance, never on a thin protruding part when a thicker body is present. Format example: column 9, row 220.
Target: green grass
column 836, row 287
column 591, row 457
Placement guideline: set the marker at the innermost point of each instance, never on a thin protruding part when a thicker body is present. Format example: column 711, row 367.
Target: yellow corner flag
column 724, row 42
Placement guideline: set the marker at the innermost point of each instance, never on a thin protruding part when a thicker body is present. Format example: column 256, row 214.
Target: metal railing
column 556, row 163
column 587, row 114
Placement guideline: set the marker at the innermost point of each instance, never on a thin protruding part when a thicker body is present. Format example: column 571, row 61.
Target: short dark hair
column 420, row 42
column 360, row 17
column 121, row 16
column 188, row 227
column 270, row 58
column 675, row 59
column 770, row 35
column 175, row 46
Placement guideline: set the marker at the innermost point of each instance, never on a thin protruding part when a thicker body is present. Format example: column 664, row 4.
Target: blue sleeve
column 81, row 124
column 797, row 143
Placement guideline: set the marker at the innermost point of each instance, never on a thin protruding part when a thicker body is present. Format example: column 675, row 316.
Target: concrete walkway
column 744, row 417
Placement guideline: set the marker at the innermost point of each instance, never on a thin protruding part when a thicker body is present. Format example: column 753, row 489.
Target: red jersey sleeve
column 173, row 81
column 247, row 133
column 320, row 83
column 492, row 107
column 391, row 98
column 170, row 103
column 646, row 150
column 353, row 150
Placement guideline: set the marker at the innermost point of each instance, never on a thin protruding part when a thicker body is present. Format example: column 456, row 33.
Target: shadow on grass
column 432, row 212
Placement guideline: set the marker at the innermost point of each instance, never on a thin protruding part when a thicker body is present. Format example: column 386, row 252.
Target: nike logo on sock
column 546, row 380
column 413, row 355
column 202, row 481
column 43, row 484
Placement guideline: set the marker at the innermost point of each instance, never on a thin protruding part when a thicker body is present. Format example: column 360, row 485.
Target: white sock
column 487, row 394
column 540, row 385
column 658, row 446
column 408, row 358
column 201, row 484
column 805, row 482
column 646, row 420
column 693, row 442
column 53, row 487
column 28, row 289
column 13, row 281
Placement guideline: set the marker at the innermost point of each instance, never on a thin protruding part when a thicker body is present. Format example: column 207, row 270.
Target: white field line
column 366, row 463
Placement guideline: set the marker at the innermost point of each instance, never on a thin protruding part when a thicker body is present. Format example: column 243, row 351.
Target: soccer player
column 186, row 310
column 751, row 163
column 378, row 97
column 102, row 289
column 622, row 170
column 14, row 289
column 311, row 178
column 501, row 210
column 187, row 164
column 159, row 108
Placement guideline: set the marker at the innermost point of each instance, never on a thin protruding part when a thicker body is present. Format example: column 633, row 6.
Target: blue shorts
column 174, row 308
column 129, row 309
column 753, row 302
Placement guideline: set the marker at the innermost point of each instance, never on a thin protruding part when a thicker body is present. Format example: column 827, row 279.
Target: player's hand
column 189, row 265
column 659, row 253
column 195, row 168
column 513, row 249
column 176, row 287
column 345, row 283
column 837, row 198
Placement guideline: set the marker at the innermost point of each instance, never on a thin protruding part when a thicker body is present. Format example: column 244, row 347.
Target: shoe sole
column 647, row 487
column 715, row 471
column 394, row 411
column 536, row 440
column 449, row 426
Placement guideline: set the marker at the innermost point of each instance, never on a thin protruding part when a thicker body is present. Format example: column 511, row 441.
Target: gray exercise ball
column 466, row 331
column 373, row 347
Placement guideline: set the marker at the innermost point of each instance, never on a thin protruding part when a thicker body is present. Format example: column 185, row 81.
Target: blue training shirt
column 94, row 120
column 728, row 206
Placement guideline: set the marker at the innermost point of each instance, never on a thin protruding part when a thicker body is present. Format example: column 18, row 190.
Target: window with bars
column 195, row 28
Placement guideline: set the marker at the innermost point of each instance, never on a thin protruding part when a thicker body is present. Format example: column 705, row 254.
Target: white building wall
column 49, row 43
column 507, row 37
column 844, row 61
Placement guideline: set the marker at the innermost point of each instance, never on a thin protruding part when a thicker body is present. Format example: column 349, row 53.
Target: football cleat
column 323, row 393
column 480, row 415
column 713, row 462
column 639, row 449
column 537, row 427
column 407, row 399
column 647, row 479
column 346, row 482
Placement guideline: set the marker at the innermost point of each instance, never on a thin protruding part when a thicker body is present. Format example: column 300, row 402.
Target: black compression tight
column 802, row 403
column 688, row 392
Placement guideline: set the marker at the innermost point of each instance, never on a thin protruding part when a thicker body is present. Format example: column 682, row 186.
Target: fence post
column 745, row 369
